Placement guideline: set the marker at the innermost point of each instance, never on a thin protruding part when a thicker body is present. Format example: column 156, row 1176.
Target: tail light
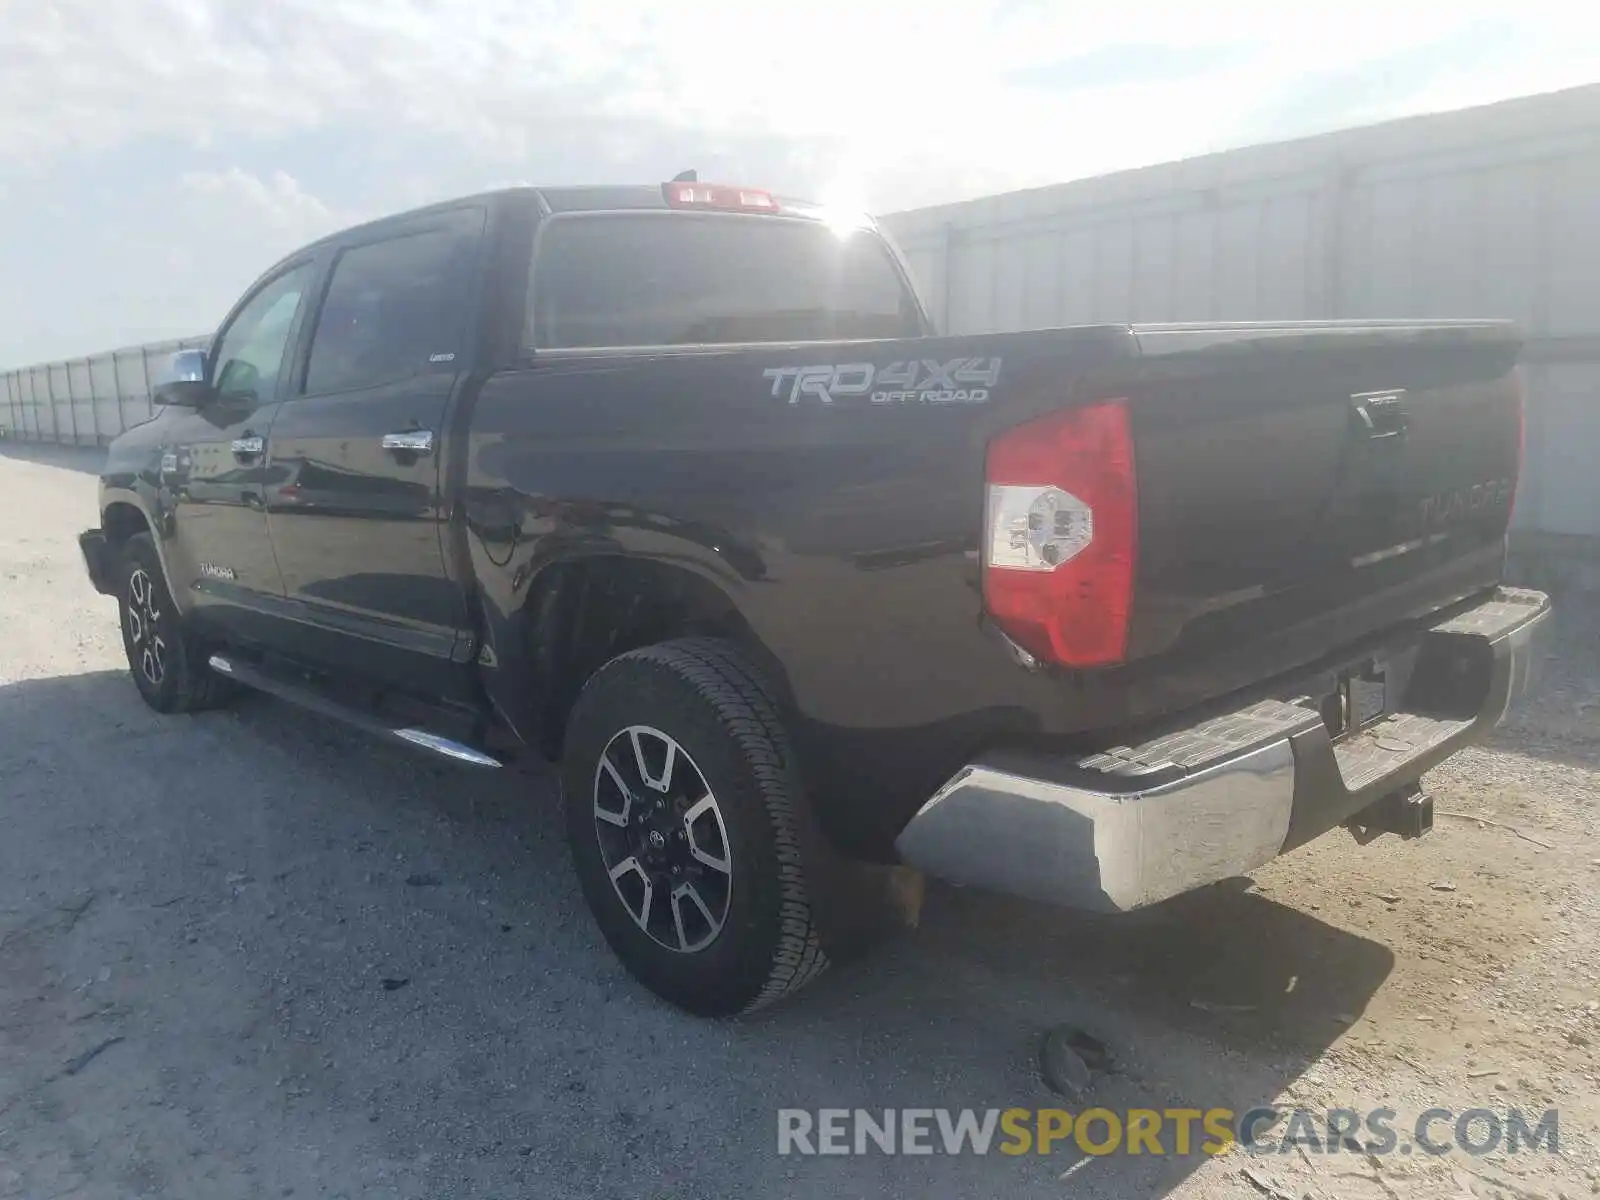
column 1061, row 534
column 718, row 196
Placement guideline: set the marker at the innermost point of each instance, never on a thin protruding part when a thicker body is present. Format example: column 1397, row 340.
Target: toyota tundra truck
column 676, row 486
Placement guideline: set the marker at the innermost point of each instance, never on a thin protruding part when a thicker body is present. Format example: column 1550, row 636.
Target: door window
column 394, row 308
column 251, row 349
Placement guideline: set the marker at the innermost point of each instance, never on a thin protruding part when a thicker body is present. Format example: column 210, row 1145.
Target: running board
column 307, row 697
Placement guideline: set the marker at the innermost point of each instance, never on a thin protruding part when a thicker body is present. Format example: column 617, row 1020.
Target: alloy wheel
column 149, row 650
column 662, row 839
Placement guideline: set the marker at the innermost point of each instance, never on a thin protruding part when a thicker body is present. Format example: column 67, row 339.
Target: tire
column 731, row 748
column 167, row 663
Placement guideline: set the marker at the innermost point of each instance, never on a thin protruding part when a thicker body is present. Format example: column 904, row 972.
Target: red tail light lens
column 718, row 196
column 1061, row 534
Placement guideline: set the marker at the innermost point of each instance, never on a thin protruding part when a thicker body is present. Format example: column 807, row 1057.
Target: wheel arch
column 581, row 612
column 121, row 520
column 122, row 516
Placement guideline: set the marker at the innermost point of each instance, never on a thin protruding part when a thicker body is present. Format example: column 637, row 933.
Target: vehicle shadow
column 1219, row 999
column 309, row 861
column 88, row 459
column 1559, row 720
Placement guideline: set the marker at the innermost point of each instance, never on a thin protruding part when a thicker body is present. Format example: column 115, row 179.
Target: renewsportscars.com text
column 1168, row 1131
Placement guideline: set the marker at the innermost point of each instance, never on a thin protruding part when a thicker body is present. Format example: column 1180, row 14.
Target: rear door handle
column 412, row 441
column 248, row 446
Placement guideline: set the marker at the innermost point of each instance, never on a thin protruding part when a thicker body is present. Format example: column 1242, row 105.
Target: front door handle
column 412, row 441
column 249, row 446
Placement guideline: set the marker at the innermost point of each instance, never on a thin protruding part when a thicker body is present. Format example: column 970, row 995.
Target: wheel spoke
column 638, row 755
column 632, row 866
column 662, row 782
column 665, row 781
column 703, row 807
column 688, row 891
column 611, row 816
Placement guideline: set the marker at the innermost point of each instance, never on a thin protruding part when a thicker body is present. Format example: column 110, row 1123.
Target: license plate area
column 1361, row 698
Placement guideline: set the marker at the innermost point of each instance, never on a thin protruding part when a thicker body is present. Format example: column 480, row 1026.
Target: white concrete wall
column 1490, row 212
column 85, row 401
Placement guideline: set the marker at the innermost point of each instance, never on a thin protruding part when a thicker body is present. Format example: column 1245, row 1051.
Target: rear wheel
column 166, row 662
column 688, row 830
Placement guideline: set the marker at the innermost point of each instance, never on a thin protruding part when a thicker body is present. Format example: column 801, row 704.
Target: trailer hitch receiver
column 1407, row 811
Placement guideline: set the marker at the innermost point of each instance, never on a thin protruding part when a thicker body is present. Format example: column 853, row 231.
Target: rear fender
column 550, row 623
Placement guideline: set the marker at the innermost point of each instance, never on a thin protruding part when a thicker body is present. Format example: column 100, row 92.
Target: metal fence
column 1488, row 212
column 1485, row 212
column 85, row 401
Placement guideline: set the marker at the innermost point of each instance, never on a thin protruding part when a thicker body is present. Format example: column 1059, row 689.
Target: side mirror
column 183, row 382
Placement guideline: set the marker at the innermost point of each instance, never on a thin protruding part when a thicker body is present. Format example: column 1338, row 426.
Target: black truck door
column 213, row 462
column 356, row 514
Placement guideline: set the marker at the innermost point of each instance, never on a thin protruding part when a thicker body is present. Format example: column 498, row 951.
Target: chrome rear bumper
column 1137, row 824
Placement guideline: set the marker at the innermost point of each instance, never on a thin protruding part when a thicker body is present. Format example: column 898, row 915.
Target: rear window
column 663, row 279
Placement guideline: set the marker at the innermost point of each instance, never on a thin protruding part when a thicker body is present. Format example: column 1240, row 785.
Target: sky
column 157, row 155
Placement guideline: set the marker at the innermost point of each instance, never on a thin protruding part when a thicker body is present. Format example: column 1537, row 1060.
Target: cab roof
column 588, row 198
column 653, row 196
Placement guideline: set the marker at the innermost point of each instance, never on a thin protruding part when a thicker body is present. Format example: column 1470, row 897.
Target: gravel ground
column 251, row 955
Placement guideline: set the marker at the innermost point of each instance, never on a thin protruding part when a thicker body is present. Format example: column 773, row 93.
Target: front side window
column 394, row 308
column 662, row 279
column 251, row 349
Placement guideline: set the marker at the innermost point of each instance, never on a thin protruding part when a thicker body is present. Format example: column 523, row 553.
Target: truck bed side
column 834, row 493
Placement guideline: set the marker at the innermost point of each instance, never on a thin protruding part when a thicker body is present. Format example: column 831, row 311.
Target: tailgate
column 1317, row 481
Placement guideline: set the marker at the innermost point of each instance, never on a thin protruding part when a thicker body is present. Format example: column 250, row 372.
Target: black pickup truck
column 675, row 485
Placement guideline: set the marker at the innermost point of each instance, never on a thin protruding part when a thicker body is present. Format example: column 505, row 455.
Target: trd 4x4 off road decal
column 913, row 381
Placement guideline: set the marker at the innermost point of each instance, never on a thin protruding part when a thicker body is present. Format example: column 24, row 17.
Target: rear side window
column 394, row 308
column 662, row 279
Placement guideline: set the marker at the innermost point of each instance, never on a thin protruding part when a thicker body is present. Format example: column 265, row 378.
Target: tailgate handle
column 1380, row 414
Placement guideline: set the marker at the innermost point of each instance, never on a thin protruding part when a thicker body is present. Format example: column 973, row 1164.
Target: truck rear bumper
column 1137, row 824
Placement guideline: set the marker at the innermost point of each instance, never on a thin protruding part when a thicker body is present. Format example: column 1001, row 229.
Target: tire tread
column 197, row 686
column 733, row 688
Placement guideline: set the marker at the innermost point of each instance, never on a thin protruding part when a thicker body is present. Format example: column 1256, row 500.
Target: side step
column 307, row 697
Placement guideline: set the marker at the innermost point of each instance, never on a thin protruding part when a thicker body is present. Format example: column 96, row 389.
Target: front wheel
column 688, row 829
column 167, row 664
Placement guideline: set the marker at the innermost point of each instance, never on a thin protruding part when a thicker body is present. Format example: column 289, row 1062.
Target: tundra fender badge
column 909, row 381
column 213, row 571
